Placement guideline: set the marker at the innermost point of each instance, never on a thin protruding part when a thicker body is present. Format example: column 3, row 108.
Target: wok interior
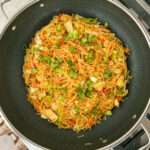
column 12, row 88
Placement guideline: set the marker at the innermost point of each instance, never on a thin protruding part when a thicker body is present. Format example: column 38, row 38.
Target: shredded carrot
column 127, row 51
column 91, row 121
column 36, row 106
column 46, row 53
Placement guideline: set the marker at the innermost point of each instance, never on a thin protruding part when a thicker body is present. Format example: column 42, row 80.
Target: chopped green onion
column 53, row 60
column 47, row 58
column 114, row 52
column 95, row 74
column 59, row 118
column 106, row 24
column 67, row 38
column 95, row 113
column 90, row 88
column 49, row 61
column 128, row 76
column 107, row 74
column 91, row 20
column 58, row 28
column 80, row 86
column 62, row 98
column 80, row 93
column 108, row 113
column 105, row 59
column 90, row 55
column 88, row 82
column 57, row 41
column 56, row 87
column 115, row 58
column 56, row 64
column 89, row 58
column 64, row 90
column 76, row 34
column 121, row 92
column 69, row 62
column 72, row 49
column 84, row 40
column 70, row 36
column 81, row 100
column 41, row 58
column 57, row 46
column 72, row 67
column 86, row 36
column 88, row 94
column 82, row 43
column 60, row 70
column 49, row 87
column 90, row 47
column 73, row 74
column 86, row 57
column 59, row 61
column 100, row 45
column 34, row 70
column 92, row 39
column 76, row 109
column 36, row 49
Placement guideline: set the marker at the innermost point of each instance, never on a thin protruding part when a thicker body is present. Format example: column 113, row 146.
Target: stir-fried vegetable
column 58, row 28
column 34, row 70
column 91, row 20
column 106, row 24
column 105, row 59
column 72, row 50
column 108, row 113
column 64, row 90
column 62, row 98
column 76, row 109
column 107, row 74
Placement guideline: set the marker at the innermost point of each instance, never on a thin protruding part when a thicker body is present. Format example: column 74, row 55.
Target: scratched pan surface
column 12, row 87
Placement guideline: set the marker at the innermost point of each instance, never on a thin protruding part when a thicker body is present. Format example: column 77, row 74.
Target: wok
column 20, row 115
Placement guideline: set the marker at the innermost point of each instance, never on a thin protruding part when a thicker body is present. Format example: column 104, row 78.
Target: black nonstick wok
column 20, row 115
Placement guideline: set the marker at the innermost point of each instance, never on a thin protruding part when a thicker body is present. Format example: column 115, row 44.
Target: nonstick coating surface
column 12, row 87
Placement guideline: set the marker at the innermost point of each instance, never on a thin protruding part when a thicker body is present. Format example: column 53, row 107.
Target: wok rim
column 131, row 130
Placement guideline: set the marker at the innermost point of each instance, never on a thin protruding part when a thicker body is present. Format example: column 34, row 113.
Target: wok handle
column 2, row 8
column 134, row 15
column 5, row 1
column 144, row 5
column 145, row 124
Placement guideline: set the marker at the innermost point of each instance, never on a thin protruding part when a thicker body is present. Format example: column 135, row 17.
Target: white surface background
column 10, row 8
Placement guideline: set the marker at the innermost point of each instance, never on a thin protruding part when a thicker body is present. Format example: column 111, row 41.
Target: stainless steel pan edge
column 121, row 139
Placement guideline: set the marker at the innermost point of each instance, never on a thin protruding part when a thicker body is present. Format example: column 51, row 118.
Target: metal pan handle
column 134, row 17
column 145, row 124
column 144, row 5
column 2, row 8
column 5, row 1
